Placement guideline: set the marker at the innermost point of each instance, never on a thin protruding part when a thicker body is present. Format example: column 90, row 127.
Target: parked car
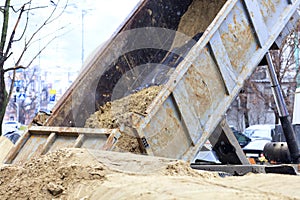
column 242, row 139
column 260, row 135
column 11, row 130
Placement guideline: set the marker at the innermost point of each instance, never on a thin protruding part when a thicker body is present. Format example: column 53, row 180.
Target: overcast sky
column 100, row 21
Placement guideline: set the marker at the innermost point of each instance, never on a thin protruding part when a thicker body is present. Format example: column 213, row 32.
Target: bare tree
column 26, row 37
column 284, row 63
column 25, row 99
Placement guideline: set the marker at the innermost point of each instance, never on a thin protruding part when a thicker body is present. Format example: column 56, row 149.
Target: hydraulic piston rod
column 283, row 112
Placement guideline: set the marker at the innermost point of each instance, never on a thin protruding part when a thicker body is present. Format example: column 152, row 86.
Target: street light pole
column 83, row 12
column 17, row 105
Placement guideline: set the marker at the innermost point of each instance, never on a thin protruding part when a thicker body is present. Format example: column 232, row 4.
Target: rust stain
column 270, row 6
column 170, row 111
column 238, row 41
column 234, row 19
column 199, row 93
column 165, row 133
column 109, row 143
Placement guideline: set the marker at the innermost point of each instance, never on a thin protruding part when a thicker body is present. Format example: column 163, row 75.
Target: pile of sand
column 90, row 174
column 114, row 113
column 61, row 173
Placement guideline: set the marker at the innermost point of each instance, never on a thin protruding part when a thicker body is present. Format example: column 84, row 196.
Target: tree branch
column 4, row 32
column 30, row 41
column 13, row 32
column 14, row 68
column 12, row 84
column 40, row 51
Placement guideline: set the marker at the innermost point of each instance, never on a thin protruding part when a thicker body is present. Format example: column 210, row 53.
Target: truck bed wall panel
column 200, row 89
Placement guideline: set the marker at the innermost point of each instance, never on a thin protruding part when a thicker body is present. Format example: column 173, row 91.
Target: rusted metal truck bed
column 236, row 34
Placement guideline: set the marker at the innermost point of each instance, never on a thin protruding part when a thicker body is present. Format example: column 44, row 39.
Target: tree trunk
column 246, row 115
column 22, row 113
column 243, row 104
column 3, row 99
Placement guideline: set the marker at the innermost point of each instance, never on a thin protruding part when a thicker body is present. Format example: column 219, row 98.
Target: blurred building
column 37, row 89
column 258, row 101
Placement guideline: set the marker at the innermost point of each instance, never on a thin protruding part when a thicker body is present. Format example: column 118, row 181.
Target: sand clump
column 49, row 176
column 182, row 168
column 197, row 18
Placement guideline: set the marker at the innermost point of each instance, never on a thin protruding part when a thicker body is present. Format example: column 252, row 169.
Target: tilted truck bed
column 196, row 95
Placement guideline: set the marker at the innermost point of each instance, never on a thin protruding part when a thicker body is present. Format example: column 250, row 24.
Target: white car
column 10, row 129
column 10, row 126
column 260, row 135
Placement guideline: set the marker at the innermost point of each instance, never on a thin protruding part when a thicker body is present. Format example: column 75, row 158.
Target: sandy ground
column 89, row 174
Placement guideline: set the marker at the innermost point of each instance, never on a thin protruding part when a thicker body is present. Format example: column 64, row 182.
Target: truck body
column 197, row 86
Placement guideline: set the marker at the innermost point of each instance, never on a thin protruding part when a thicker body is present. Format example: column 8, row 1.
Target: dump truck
column 194, row 54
